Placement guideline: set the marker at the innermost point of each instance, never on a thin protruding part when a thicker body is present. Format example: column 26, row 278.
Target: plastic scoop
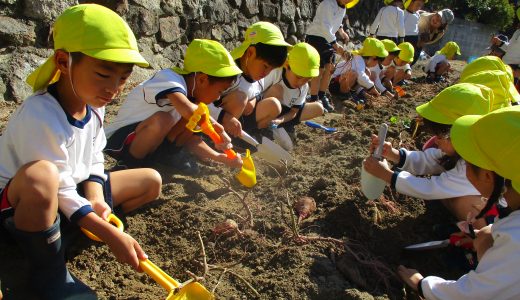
column 268, row 150
column 176, row 290
column 372, row 186
column 247, row 174
column 319, row 126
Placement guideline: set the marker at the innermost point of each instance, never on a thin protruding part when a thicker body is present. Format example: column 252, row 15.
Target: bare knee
column 38, row 183
column 159, row 124
column 153, row 182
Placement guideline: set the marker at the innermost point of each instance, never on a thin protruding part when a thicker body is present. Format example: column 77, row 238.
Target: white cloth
column 327, row 21
column 291, row 97
column 411, row 23
column 40, row 130
column 434, row 61
column 496, row 276
column 375, row 72
column 148, row 98
column 356, row 64
column 441, row 185
column 389, row 22
column 512, row 49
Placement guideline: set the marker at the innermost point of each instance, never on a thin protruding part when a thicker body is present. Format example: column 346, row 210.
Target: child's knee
column 160, row 122
column 37, row 182
column 153, row 182
column 269, row 106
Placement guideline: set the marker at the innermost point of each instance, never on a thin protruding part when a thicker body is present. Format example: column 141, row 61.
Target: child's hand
column 483, row 241
column 277, row 122
column 378, row 168
column 388, row 151
column 126, row 249
column 225, row 140
column 233, row 127
column 101, row 208
column 232, row 163
column 410, row 276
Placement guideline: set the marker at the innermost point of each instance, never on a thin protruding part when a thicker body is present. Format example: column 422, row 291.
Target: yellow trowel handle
column 112, row 219
column 158, row 275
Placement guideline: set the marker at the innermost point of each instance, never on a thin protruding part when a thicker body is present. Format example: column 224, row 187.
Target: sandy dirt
column 350, row 247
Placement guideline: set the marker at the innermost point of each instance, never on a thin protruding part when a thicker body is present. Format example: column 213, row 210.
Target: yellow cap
column 304, row 60
column 386, row 2
column 260, row 32
column 372, row 47
column 486, row 63
column 503, row 88
column 407, row 52
column 450, row 49
column 491, row 142
column 208, row 57
column 390, row 45
column 456, row 101
column 93, row 30
column 408, row 2
column 351, row 4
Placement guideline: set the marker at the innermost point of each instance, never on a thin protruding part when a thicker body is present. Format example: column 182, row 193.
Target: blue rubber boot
column 49, row 276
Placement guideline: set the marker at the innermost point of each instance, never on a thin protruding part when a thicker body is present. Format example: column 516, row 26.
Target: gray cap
column 446, row 16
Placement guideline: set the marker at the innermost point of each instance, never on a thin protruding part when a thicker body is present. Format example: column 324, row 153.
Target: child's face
column 436, row 21
column 207, row 91
column 96, row 82
column 482, row 180
column 254, row 67
column 399, row 62
column 371, row 62
column 296, row 81
column 445, row 145
column 416, row 5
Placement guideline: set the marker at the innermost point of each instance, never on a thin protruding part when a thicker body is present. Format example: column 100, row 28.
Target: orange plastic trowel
column 200, row 118
column 372, row 186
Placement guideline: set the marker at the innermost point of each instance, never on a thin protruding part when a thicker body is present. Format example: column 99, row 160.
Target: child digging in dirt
column 155, row 113
column 448, row 181
column 242, row 107
column 439, row 65
column 490, row 146
column 321, row 34
column 400, row 70
column 51, row 162
column 290, row 85
column 377, row 72
column 352, row 74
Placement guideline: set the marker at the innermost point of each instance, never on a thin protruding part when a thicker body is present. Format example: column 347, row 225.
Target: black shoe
column 326, row 104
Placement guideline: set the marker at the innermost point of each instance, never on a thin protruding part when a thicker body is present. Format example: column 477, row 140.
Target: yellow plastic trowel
column 372, row 186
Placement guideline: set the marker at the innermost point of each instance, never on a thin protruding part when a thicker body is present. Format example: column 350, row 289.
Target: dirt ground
column 352, row 249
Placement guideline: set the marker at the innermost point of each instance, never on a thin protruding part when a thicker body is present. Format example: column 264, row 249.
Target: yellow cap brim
column 305, row 72
column 240, row 50
column 516, row 185
column 221, row 72
column 127, row 56
column 351, row 4
column 432, row 113
column 463, row 140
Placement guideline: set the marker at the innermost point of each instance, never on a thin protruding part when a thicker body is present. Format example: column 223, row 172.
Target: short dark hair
column 438, row 129
column 215, row 79
column 273, row 55
column 396, row 53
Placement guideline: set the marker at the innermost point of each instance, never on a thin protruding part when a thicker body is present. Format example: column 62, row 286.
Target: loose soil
column 356, row 258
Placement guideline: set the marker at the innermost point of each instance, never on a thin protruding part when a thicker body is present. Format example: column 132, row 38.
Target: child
column 400, row 69
column 511, row 47
column 157, row 110
column 439, row 65
column 321, row 34
column 51, row 151
column 432, row 27
column 262, row 50
column 377, row 72
column 389, row 22
column 448, row 172
column 352, row 74
column 411, row 21
column 490, row 145
column 495, row 49
column 289, row 85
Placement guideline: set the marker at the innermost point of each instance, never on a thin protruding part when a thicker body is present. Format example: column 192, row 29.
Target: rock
column 143, row 22
column 251, row 8
column 3, row 89
column 288, row 10
column 230, row 32
column 46, row 10
column 292, row 28
column 306, row 9
column 154, row 5
column 172, row 7
column 269, row 10
column 16, row 33
column 170, row 29
column 8, row 2
column 192, row 9
column 300, row 28
column 236, row 3
column 292, row 39
column 217, row 12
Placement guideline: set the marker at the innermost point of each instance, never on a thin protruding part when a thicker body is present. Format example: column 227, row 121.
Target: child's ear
column 202, row 80
column 251, row 52
column 61, row 59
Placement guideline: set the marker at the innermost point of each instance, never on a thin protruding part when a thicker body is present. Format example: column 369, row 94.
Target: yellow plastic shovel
column 247, row 174
column 176, row 291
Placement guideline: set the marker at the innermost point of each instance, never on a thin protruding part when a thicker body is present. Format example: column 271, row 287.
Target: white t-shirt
column 434, row 61
column 148, row 98
column 388, row 22
column 356, row 64
column 512, row 49
column 376, row 77
column 327, row 21
column 41, row 130
column 411, row 23
column 291, row 97
column 496, row 276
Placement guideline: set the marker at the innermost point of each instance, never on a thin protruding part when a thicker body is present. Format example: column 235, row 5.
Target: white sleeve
column 376, row 23
column 98, row 161
column 448, row 184
column 400, row 25
column 422, row 162
column 362, row 78
column 379, row 85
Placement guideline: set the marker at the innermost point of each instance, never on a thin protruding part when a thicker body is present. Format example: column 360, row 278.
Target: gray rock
column 8, row 2
column 288, row 10
column 216, row 12
column 172, row 7
column 143, row 22
column 251, row 8
column 16, row 33
column 235, row 3
column 230, row 32
column 292, row 40
column 193, row 9
column 306, row 9
column 216, row 33
column 269, row 10
column 3, row 89
column 149, row 4
column 170, row 29
column 46, row 10
column 300, row 28
column 292, row 28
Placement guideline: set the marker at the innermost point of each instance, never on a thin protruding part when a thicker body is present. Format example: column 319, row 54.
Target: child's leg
column 311, row 111
column 267, row 110
column 347, row 81
column 315, row 85
column 134, row 188
column 234, row 103
column 399, row 76
column 325, row 79
column 461, row 206
column 442, row 68
column 150, row 133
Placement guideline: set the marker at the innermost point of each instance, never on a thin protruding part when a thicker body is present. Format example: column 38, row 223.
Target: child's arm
column 234, row 105
column 287, row 117
column 200, row 149
column 343, row 34
column 94, row 193
column 182, row 104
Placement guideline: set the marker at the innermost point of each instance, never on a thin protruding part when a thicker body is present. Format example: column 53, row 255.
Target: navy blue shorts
column 324, row 48
column 296, row 120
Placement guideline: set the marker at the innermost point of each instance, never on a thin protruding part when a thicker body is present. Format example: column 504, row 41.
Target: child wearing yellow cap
column 321, row 34
column 389, row 22
column 51, row 159
column 448, row 181
column 242, row 107
column 290, row 86
column 154, row 114
column 352, row 75
column 490, row 145
column 411, row 21
column 378, row 72
column 400, row 69
column 439, row 65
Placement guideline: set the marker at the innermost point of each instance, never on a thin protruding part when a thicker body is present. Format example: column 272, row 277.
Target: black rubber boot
column 49, row 276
